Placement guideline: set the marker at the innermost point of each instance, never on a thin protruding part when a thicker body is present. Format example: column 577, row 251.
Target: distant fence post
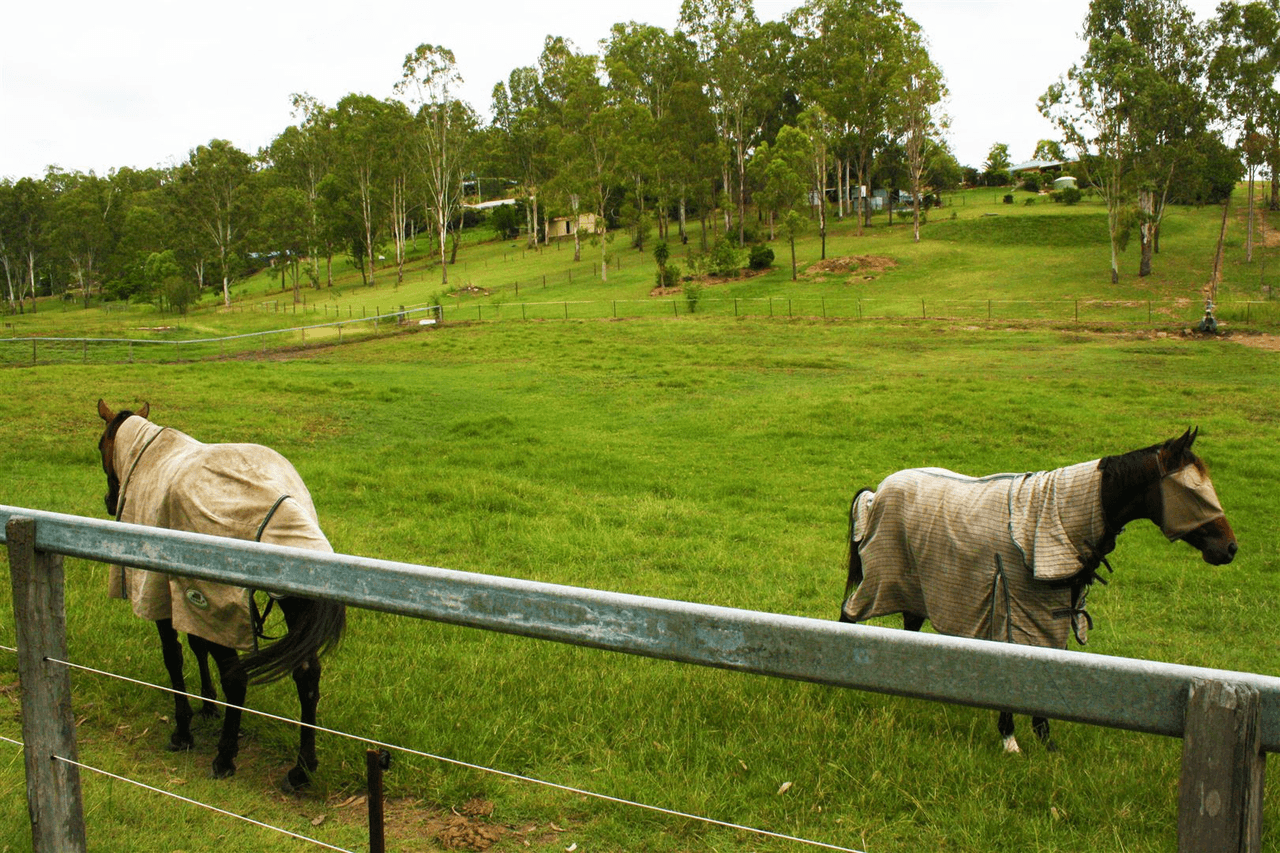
column 1223, row 768
column 48, row 725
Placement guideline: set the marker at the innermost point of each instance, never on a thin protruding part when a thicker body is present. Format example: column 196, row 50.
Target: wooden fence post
column 1220, row 791
column 48, row 725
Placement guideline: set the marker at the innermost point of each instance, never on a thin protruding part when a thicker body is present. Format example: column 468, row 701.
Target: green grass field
column 706, row 458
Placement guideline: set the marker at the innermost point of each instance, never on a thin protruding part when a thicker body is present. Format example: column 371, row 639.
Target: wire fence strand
column 470, row 766
column 192, row 802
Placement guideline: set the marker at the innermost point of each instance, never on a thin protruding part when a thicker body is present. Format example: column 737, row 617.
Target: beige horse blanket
column 978, row 556
column 242, row 491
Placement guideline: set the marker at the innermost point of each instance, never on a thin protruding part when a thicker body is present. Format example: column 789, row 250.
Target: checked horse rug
column 241, row 491
column 985, row 557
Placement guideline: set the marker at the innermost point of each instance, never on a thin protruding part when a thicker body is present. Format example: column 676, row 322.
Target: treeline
column 746, row 126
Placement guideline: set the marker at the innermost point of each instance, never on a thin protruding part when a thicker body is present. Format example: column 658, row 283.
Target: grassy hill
column 708, row 459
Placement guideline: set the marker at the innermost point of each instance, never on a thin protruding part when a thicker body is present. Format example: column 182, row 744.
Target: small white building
column 564, row 226
column 1063, row 182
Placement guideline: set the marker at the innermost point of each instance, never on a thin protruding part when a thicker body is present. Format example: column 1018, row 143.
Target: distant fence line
column 1061, row 312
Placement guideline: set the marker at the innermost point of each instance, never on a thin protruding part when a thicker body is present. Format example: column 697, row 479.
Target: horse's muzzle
column 1220, row 556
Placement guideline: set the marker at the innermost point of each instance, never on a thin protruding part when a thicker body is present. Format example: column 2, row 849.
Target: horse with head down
column 1011, row 557
column 160, row 477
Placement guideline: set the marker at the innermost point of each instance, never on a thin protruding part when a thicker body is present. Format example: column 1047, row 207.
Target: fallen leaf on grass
column 786, row 786
column 317, row 821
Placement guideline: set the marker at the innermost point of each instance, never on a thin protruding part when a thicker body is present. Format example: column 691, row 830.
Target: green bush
column 1008, row 198
column 724, row 260
column 692, row 293
column 667, row 276
column 1069, row 195
column 761, row 257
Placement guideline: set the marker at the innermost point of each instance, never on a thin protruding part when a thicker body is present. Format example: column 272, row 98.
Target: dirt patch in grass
column 470, row 826
column 1270, row 343
column 470, row 290
column 868, row 266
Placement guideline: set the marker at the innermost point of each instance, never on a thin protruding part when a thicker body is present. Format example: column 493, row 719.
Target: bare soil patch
column 868, row 266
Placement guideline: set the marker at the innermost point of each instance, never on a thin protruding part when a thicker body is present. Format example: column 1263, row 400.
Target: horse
column 161, row 477
column 1011, row 557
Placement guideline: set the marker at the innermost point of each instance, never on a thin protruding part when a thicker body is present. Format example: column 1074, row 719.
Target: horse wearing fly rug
column 1011, row 557
column 160, row 477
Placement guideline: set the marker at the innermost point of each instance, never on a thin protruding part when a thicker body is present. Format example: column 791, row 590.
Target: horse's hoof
column 297, row 781
column 1050, row 746
column 181, row 744
column 219, row 771
column 209, row 711
column 1011, row 746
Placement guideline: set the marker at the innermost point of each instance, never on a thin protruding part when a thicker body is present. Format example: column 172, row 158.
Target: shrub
column 1031, row 182
column 667, row 276
column 1008, row 198
column 724, row 259
column 1070, row 195
column 692, row 293
column 761, row 257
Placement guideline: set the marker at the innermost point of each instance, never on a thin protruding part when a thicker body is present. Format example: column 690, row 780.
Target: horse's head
column 1189, row 507
column 107, row 447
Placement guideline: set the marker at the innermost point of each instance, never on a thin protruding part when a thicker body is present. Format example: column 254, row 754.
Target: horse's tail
column 315, row 628
column 855, row 561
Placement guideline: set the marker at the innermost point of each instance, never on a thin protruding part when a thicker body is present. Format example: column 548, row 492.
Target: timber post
column 1223, row 767
column 48, row 725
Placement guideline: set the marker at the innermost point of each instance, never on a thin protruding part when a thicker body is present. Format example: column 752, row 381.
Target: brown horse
column 1012, row 556
column 160, row 477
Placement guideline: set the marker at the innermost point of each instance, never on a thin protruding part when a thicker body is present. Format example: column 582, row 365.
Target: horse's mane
column 1133, row 469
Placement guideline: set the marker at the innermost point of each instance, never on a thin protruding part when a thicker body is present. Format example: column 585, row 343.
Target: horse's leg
column 307, row 679
column 234, row 686
column 1041, row 727
column 912, row 622
column 171, row 647
column 1005, row 725
column 200, row 648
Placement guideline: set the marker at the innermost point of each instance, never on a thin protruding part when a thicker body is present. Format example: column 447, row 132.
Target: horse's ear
column 104, row 411
column 144, row 411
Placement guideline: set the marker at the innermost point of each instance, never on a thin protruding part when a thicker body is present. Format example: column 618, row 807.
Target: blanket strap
column 1080, row 592
column 260, row 619
column 128, row 478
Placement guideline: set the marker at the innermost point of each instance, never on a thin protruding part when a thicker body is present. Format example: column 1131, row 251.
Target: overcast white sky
column 87, row 85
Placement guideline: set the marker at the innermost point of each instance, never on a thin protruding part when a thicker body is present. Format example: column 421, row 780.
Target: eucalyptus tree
column 1089, row 105
column 784, row 176
column 596, row 147
column 921, row 126
column 726, row 33
column 1132, row 109
column 1168, row 109
column 648, row 65
column 212, row 186
column 364, row 131
column 86, row 212
column 301, row 156
column 521, row 128
column 823, row 134
column 856, row 58
column 1244, row 69
column 440, row 135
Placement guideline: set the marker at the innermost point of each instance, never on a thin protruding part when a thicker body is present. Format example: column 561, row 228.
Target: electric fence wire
column 469, row 766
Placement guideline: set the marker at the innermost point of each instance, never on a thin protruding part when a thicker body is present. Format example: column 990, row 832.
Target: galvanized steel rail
column 1127, row 693
column 1139, row 695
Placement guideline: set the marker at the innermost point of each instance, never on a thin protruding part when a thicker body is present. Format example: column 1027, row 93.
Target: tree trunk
column 1146, row 229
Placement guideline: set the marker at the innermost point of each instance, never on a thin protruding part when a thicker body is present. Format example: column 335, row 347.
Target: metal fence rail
column 1125, row 693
